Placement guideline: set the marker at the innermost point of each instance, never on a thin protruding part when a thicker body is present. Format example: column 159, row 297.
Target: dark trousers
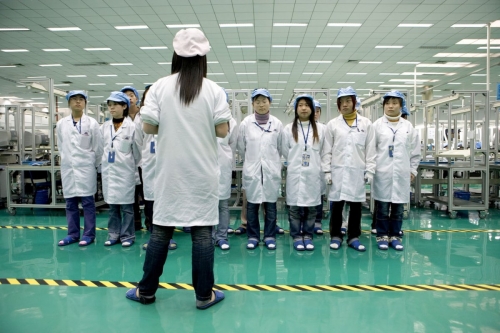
column 389, row 225
column 353, row 224
column 148, row 212
column 73, row 216
column 296, row 225
column 139, row 193
column 253, row 224
column 202, row 261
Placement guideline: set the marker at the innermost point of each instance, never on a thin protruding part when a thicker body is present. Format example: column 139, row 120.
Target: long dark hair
column 144, row 96
column 311, row 120
column 191, row 71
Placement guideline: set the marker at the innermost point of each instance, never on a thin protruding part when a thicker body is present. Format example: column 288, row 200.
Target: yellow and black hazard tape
column 33, row 227
column 255, row 287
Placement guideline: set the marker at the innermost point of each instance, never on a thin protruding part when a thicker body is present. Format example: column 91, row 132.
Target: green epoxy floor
column 430, row 258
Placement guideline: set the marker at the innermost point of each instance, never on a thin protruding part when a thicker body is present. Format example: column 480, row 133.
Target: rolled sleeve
column 150, row 112
column 222, row 113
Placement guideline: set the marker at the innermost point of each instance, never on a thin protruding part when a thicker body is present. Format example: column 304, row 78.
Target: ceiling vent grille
column 92, row 64
column 431, row 47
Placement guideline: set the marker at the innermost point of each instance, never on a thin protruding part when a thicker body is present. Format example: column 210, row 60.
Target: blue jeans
column 295, row 222
column 220, row 231
column 119, row 228
column 73, row 217
column 202, row 261
column 253, row 224
column 319, row 214
column 388, row 225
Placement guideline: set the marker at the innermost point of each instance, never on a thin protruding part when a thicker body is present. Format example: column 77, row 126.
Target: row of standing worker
column 180, row 147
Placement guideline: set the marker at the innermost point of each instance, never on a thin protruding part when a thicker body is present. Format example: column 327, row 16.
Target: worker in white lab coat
column 80, row 146
column 226, row 150
column 259, row 143
column 302, row 141
column 135, row 114
column 398, row 156
column 188, row 112
column 348, row 161
column 122, row 154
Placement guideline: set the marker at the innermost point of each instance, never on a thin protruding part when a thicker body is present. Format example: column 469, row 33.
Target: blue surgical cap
column 76, row 92
column 309, row 97
column 317, row 104
column 118, row 96
column 349, row 91
column 132, row 89
column 398, row 94
column 263, row 92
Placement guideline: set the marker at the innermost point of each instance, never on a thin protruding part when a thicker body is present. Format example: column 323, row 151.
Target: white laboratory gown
column 140, row 135
column 348, row 152
column 80, row 153
column 148, row 162
column 392, row 174
column 260, row 148
column 321, row 173
column 226, row 149
column 118, row 178
column 303, row 183
column 186, row 188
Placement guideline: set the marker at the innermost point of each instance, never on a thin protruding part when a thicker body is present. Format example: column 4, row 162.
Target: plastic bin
column 464, row 195
column 42, row 197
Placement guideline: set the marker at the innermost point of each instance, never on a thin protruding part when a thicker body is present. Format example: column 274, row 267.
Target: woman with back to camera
column 188, row 112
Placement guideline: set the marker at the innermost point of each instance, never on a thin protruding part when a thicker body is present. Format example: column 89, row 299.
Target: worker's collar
column 393, row 119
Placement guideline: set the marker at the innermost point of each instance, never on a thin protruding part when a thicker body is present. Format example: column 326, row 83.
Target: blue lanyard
column 265, row 130
column 79, row 129
column 352, row 126
column 111, row 132
column 393, row 132
column 304, row 135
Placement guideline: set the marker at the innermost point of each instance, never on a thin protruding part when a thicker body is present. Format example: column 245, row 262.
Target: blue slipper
column 127, row 243
column 240, row 231
column 86, row 241
column 219, row 296
column 111, row 242
column 309, row 244
column 252, row 244
column 279, row 230
column 318, row 231
column 131, row 295
column 172, row 245
column 299, row 245
column 383, row 243
column 396, row 244
column 357, row 246
column 270, row 244
column 335, row 244
column 67, row 240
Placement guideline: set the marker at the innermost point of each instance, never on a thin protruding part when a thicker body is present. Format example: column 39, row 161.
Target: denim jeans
column 319, row 214
column 353, row 225
column 220, row 231
column 148, row 212
column 295, row 222
column 73, row 217
column 118, row 227
column 389, row 225
column 202, row 261
column 253, row 224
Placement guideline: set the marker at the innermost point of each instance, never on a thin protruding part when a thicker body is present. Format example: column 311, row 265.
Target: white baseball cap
column 191, row 42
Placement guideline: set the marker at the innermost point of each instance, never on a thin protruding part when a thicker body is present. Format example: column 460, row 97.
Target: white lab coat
column 80, row 155
column 303, row 183
column 140, row 135
column 321, row 173
column 392, row 176
column 226, row 149
column 186, row 188
column 148, row 162
column 118, row 178
column 261, row 152
column 348, row 152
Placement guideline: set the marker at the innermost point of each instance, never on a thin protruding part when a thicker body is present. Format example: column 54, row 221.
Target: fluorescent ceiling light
column 479, row 83
column 65, row 29
column 212, row 62
column 131, row 27
column 319, row 62
column 249, row 82
column 282, row 62
column 347, row 82
column 454, row 83
column 14, row 50
column 478, row 41
column 407, row 80
column 124, row 83
column 276, row 89
column 14, row 29
column 277, row 81
column 235, row 25
column 55, row 50
column 61, row 85
column 121, row 64
column 97, row 84
column 97, row 49
column 468, row 25
column 289, row 24
column 312, row 73
column 344, row 24
column 478, row 75
column 244, row 62
column 330, row 46
column 407, row 62
column 355, row 73
column 153, row 47
column 221, row 82
column 37, row 97
column 24, row 100
column 415, row 25
column 106, row 75
column 240, row 46
column 370, row 62
column 281, row 46
column 164, row 63
column 138, row 74
column 427, row 73
column 306, row 81
column 491, row 48
column 279, row 73
column 175, row 26
column 50, row 65
column 449, row 64
column 246, row 73
column 389, row 47
column 374, row 82
column 215, row 73
column 398, row 85
column 389, row 74
column 79, row 75
column 8, row 66
column 465, row 55
column 37, row 77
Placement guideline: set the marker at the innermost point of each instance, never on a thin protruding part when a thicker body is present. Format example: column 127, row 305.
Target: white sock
column 310, row 246
column 250, row 246
column 334, row 246
column 224, row 246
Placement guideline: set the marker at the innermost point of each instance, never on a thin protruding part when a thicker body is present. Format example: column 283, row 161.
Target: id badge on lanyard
column 111, row 157
column 305, row 159
column 152, row 148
